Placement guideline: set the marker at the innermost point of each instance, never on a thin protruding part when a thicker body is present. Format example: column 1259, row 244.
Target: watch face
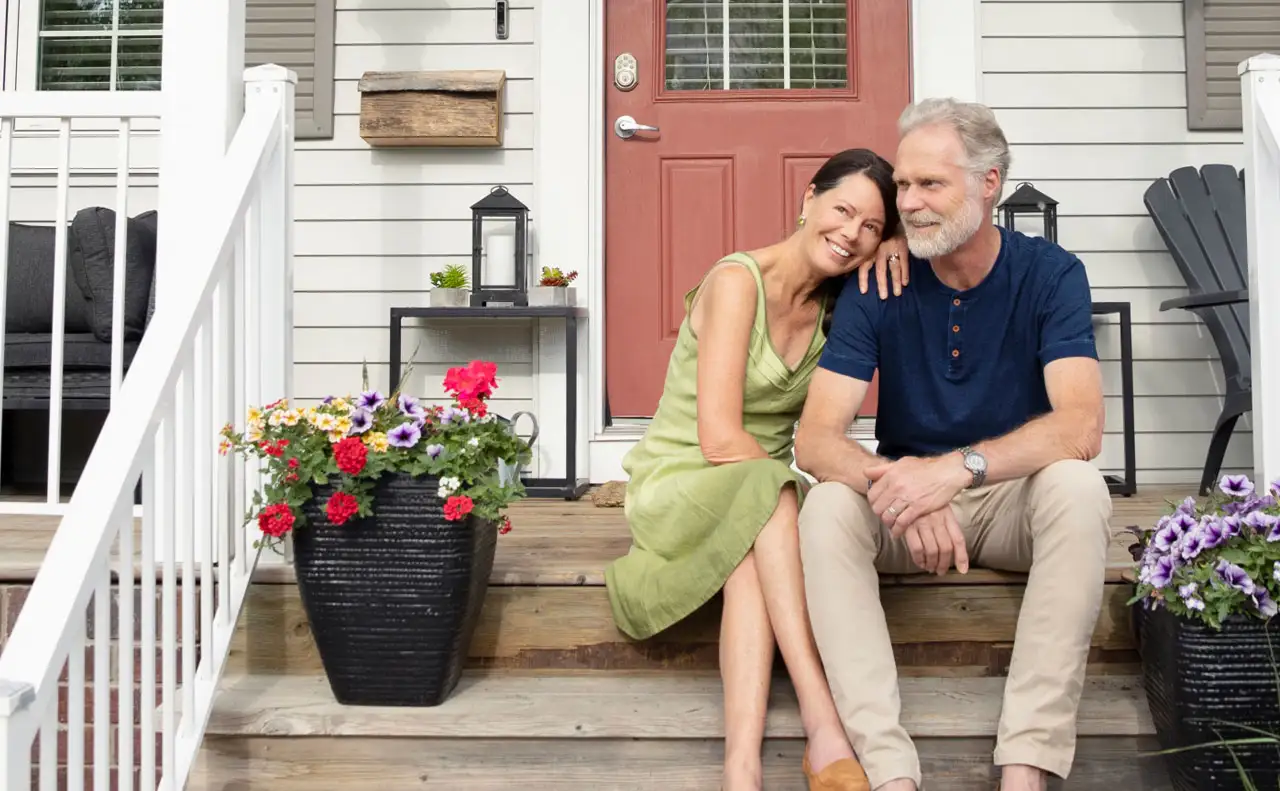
column 975, row 462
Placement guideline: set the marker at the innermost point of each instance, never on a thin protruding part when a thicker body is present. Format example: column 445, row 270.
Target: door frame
column 945, row 61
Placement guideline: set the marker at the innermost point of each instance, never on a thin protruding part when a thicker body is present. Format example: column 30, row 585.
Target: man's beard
column 948, row 234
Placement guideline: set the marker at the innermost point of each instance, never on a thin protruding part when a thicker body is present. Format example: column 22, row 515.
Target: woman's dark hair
column 852, row 162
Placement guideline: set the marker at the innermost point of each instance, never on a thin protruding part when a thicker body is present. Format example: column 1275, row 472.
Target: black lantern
column 498, row 259
column 1038, row 211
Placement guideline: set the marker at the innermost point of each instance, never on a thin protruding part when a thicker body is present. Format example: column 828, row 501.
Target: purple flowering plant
column 1215, row 558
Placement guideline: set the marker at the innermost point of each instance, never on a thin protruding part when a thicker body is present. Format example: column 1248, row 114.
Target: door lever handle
column 626, row 126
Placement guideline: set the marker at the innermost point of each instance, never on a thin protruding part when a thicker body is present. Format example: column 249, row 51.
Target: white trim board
column 569, row 185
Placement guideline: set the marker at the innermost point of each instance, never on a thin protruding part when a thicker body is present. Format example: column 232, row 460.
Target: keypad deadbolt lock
column 624, row 72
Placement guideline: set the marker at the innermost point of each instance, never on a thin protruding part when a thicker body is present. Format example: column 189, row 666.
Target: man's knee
column 832, row 515
column 1075, row 487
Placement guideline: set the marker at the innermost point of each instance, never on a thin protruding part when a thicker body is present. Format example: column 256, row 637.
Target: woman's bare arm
column 722, row 320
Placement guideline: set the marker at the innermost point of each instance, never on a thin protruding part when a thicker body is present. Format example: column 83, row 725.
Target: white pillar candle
column 500, row 260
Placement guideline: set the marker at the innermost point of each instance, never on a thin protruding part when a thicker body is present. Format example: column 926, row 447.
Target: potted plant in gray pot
column 1208, row 578
column 449, row 287
column 553, row 288
column 394, row 508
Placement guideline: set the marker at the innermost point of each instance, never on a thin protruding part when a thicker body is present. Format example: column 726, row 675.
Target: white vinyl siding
column 1093, row 98
column 373, row 224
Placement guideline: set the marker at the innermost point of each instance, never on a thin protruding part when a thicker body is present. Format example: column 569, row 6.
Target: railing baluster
column 123, row 519
column 6, row 164
column 152, row 454
column 49, row 744
column 102, row 681
column 75, row 710
column 169, row 594
column 206, row 436
column 54, row 480
column 226, row 512
column 118, row 273
column 186, row 523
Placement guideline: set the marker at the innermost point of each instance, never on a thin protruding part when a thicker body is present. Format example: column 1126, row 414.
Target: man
column 990, row 411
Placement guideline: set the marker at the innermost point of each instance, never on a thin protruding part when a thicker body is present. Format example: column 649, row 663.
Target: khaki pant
column 1054, row 524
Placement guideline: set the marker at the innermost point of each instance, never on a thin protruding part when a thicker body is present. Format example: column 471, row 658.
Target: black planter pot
column 393, row 600
column 1197, row 680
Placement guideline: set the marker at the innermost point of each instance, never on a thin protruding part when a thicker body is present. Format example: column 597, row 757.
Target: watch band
column 975, row 463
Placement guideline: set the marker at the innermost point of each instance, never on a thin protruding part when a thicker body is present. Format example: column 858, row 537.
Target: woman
column 712, row 500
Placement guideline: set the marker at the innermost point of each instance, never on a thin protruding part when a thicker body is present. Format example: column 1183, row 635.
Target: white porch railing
column 218, row 342
column 1260, row 91
column 44, row 145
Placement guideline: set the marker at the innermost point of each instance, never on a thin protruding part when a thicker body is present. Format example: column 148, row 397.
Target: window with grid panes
column 88, row 45
column 757, row 45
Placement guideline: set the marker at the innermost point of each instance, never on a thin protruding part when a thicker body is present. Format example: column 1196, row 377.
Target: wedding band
column 893, row 510
column 893, row 256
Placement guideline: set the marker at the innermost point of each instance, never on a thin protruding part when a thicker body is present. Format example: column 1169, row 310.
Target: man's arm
column 1073, row 430
column 823, row 448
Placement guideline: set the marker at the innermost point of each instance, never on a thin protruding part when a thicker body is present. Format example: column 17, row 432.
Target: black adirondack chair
column 1201, row 216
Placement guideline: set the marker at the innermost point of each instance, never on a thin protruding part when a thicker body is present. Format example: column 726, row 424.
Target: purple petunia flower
column 1212, row 533
column 1261, row 522
column 410, row 407
column 1167, row 536
column 1275, row 571
column 370, row 399
column 1265, row 604
column 405, row 435
column 1236, row 485
column 1161, row 572
column 1191, row 544
column 1274, row 488
column 1187, row 506
column 1230, row 527
column 435, row 450
column 1236, row 577
column 361, row 421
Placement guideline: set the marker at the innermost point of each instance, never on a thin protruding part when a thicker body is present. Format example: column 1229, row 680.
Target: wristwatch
column 976, row 464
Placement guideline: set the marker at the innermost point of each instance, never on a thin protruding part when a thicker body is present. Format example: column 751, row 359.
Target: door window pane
column 756, row 45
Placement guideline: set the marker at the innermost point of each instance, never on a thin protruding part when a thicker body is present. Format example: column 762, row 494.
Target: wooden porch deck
column 548, row 670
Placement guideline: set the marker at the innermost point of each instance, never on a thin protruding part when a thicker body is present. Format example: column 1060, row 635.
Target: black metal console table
column 571, row 486
column 1128, row 485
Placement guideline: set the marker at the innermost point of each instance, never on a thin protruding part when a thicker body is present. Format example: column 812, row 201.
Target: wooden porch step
column 617, row 731
column 937, row 629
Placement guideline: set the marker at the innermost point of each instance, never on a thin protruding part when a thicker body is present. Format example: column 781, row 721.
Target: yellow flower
column 325, row 422
column 310, row 414
column 376, row 441
column 224, row 447
column 336, row 436
column 255, row 414
column 344, row 425
column 291, row 417
column 340, row 403
column 276, row 418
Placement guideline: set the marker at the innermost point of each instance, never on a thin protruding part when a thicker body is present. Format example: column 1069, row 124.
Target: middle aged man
column 990, row 411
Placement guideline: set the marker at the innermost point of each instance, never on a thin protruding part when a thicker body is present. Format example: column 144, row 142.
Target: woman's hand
column 891, row 256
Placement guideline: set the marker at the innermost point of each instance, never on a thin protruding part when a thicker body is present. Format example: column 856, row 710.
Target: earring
column 800, row 221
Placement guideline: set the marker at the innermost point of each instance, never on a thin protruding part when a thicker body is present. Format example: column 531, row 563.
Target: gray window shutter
column 1220, row 34
column 297, row 34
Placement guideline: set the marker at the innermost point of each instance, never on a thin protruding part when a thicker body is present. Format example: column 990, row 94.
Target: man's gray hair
column 980, row 132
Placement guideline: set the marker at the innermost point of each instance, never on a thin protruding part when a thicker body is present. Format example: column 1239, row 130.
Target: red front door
column 744, row 116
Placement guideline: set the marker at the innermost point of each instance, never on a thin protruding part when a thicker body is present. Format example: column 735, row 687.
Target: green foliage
column 452, row 276
column 552, row 276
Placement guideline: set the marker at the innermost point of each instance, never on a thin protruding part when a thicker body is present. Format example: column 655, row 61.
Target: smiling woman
column 712, row 481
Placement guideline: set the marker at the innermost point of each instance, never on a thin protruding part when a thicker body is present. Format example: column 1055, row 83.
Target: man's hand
column 935, row 540
column 905, row 490
column 891, row 256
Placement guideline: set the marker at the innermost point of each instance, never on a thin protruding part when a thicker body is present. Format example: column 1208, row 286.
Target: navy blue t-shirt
column 958, row 367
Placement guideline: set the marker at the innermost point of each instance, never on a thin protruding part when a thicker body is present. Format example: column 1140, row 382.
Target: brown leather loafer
column 843, row 775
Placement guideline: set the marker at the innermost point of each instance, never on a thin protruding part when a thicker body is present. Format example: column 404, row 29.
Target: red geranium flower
column 341, row 507
column 275, row 520
column 476, row 381
column 457, row 507
column 350, row 454
column 506, row 526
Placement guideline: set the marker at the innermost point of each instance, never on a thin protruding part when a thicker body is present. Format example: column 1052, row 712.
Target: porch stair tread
column 512, row 705
column 555, row 542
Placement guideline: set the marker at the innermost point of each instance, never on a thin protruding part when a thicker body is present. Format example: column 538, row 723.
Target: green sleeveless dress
column 693, row 522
